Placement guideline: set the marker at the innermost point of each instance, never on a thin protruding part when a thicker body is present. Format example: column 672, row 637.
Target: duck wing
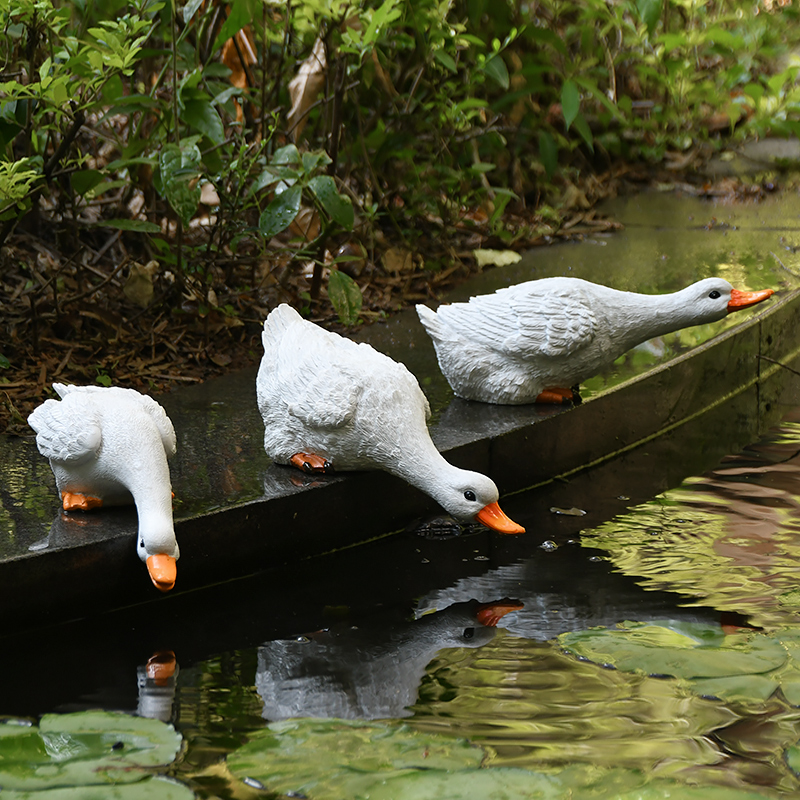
column 159, row 416
column 66, row 432
column 520, row 321
column 318, row 376
column 149, row 406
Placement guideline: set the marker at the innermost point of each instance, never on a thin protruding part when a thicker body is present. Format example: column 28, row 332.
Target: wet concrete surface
column 237, row 514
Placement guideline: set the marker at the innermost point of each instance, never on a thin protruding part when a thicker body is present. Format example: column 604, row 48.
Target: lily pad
column 150, row 788
column 328, row 759
column 748, row 666
column 83, row 749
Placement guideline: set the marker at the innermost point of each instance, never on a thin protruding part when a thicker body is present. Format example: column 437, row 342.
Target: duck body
column 534, row 341
column 330, row 403
column 109, row 446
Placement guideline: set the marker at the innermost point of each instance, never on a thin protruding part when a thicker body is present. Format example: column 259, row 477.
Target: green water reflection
column 728, row 539
column 555, row 710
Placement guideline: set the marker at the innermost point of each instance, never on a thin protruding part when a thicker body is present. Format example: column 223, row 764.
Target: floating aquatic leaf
column 149, row 788
column 327, row 759
column 747, row 666
column 82, row 749
column 334, row 758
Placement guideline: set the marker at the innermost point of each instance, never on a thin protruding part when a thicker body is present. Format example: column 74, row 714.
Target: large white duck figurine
column 108, row 446
column 329, row 403
column 534, row 341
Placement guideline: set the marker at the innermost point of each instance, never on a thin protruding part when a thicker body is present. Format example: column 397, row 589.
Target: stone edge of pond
column 56, row 585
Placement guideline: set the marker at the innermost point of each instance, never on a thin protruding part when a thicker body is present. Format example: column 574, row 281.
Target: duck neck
column 424, row 469
column 154, row 513
column 639, row 317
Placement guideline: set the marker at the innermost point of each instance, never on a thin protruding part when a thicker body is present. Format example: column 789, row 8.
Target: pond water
column 641, row 640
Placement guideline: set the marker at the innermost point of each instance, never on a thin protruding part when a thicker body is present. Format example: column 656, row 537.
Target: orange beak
column 161, row 667
column 491, row 613
column 163, row 571
column 493, row 517
column 740, row 300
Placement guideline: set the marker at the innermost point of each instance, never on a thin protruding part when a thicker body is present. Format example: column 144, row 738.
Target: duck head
column 470, row 495
column 713, row 298
column 159, row 551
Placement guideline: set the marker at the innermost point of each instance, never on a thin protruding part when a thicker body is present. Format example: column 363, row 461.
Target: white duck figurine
column 108, row 446
column 328, row 403
column 534, row 341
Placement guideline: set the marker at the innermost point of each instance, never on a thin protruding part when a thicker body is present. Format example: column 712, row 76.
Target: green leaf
column 190, row 9
column 742, row 666
column 179, row 173
column 345, row 296
column 241, row 13
column 649, row 13
column 203, row 117
column 312, row 161
column 548, row 153
column 570, row 102
column 793, row 759
column 446, row 60
column 4, row 362
column 286, row 155
column 671, row 41
column 84, row 180
column 337, row 206
column 330, row 759
column 280, row 213
column 582, row 126
column 496, row 69
column 150, row 788
column 83, row 749
column 140, row 225
column 381, row 18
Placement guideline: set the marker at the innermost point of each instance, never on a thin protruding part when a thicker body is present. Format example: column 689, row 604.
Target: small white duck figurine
column 328, row 403
column 109, row 446
column 533, row 342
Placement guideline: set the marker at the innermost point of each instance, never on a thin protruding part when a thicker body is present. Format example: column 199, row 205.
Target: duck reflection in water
column 157, row 680
column 369, row 671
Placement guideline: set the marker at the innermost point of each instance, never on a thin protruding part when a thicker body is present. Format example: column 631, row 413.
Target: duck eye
column 714, row 295
column 469, row 633
column 470, row 495
column 141, row 542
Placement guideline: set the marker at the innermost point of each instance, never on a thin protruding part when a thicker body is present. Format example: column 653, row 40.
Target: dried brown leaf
column 305, row 87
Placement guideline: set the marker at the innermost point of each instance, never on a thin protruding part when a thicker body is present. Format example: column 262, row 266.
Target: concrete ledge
column 87, row 563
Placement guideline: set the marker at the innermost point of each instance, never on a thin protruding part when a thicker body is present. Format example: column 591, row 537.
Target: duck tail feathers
column 437, row 329
column 278, row 321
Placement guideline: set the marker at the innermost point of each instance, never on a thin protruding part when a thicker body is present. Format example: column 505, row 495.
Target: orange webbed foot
column 558, row 396
column 73, row 501
column 308, row 462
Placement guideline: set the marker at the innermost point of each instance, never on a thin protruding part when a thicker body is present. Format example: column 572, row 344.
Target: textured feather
column 553, row 323
column 66, row 433
column 150, row 406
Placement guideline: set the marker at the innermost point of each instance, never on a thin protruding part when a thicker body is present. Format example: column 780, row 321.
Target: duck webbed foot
column 308, row 462
column 559, row 397
column 73, row 501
